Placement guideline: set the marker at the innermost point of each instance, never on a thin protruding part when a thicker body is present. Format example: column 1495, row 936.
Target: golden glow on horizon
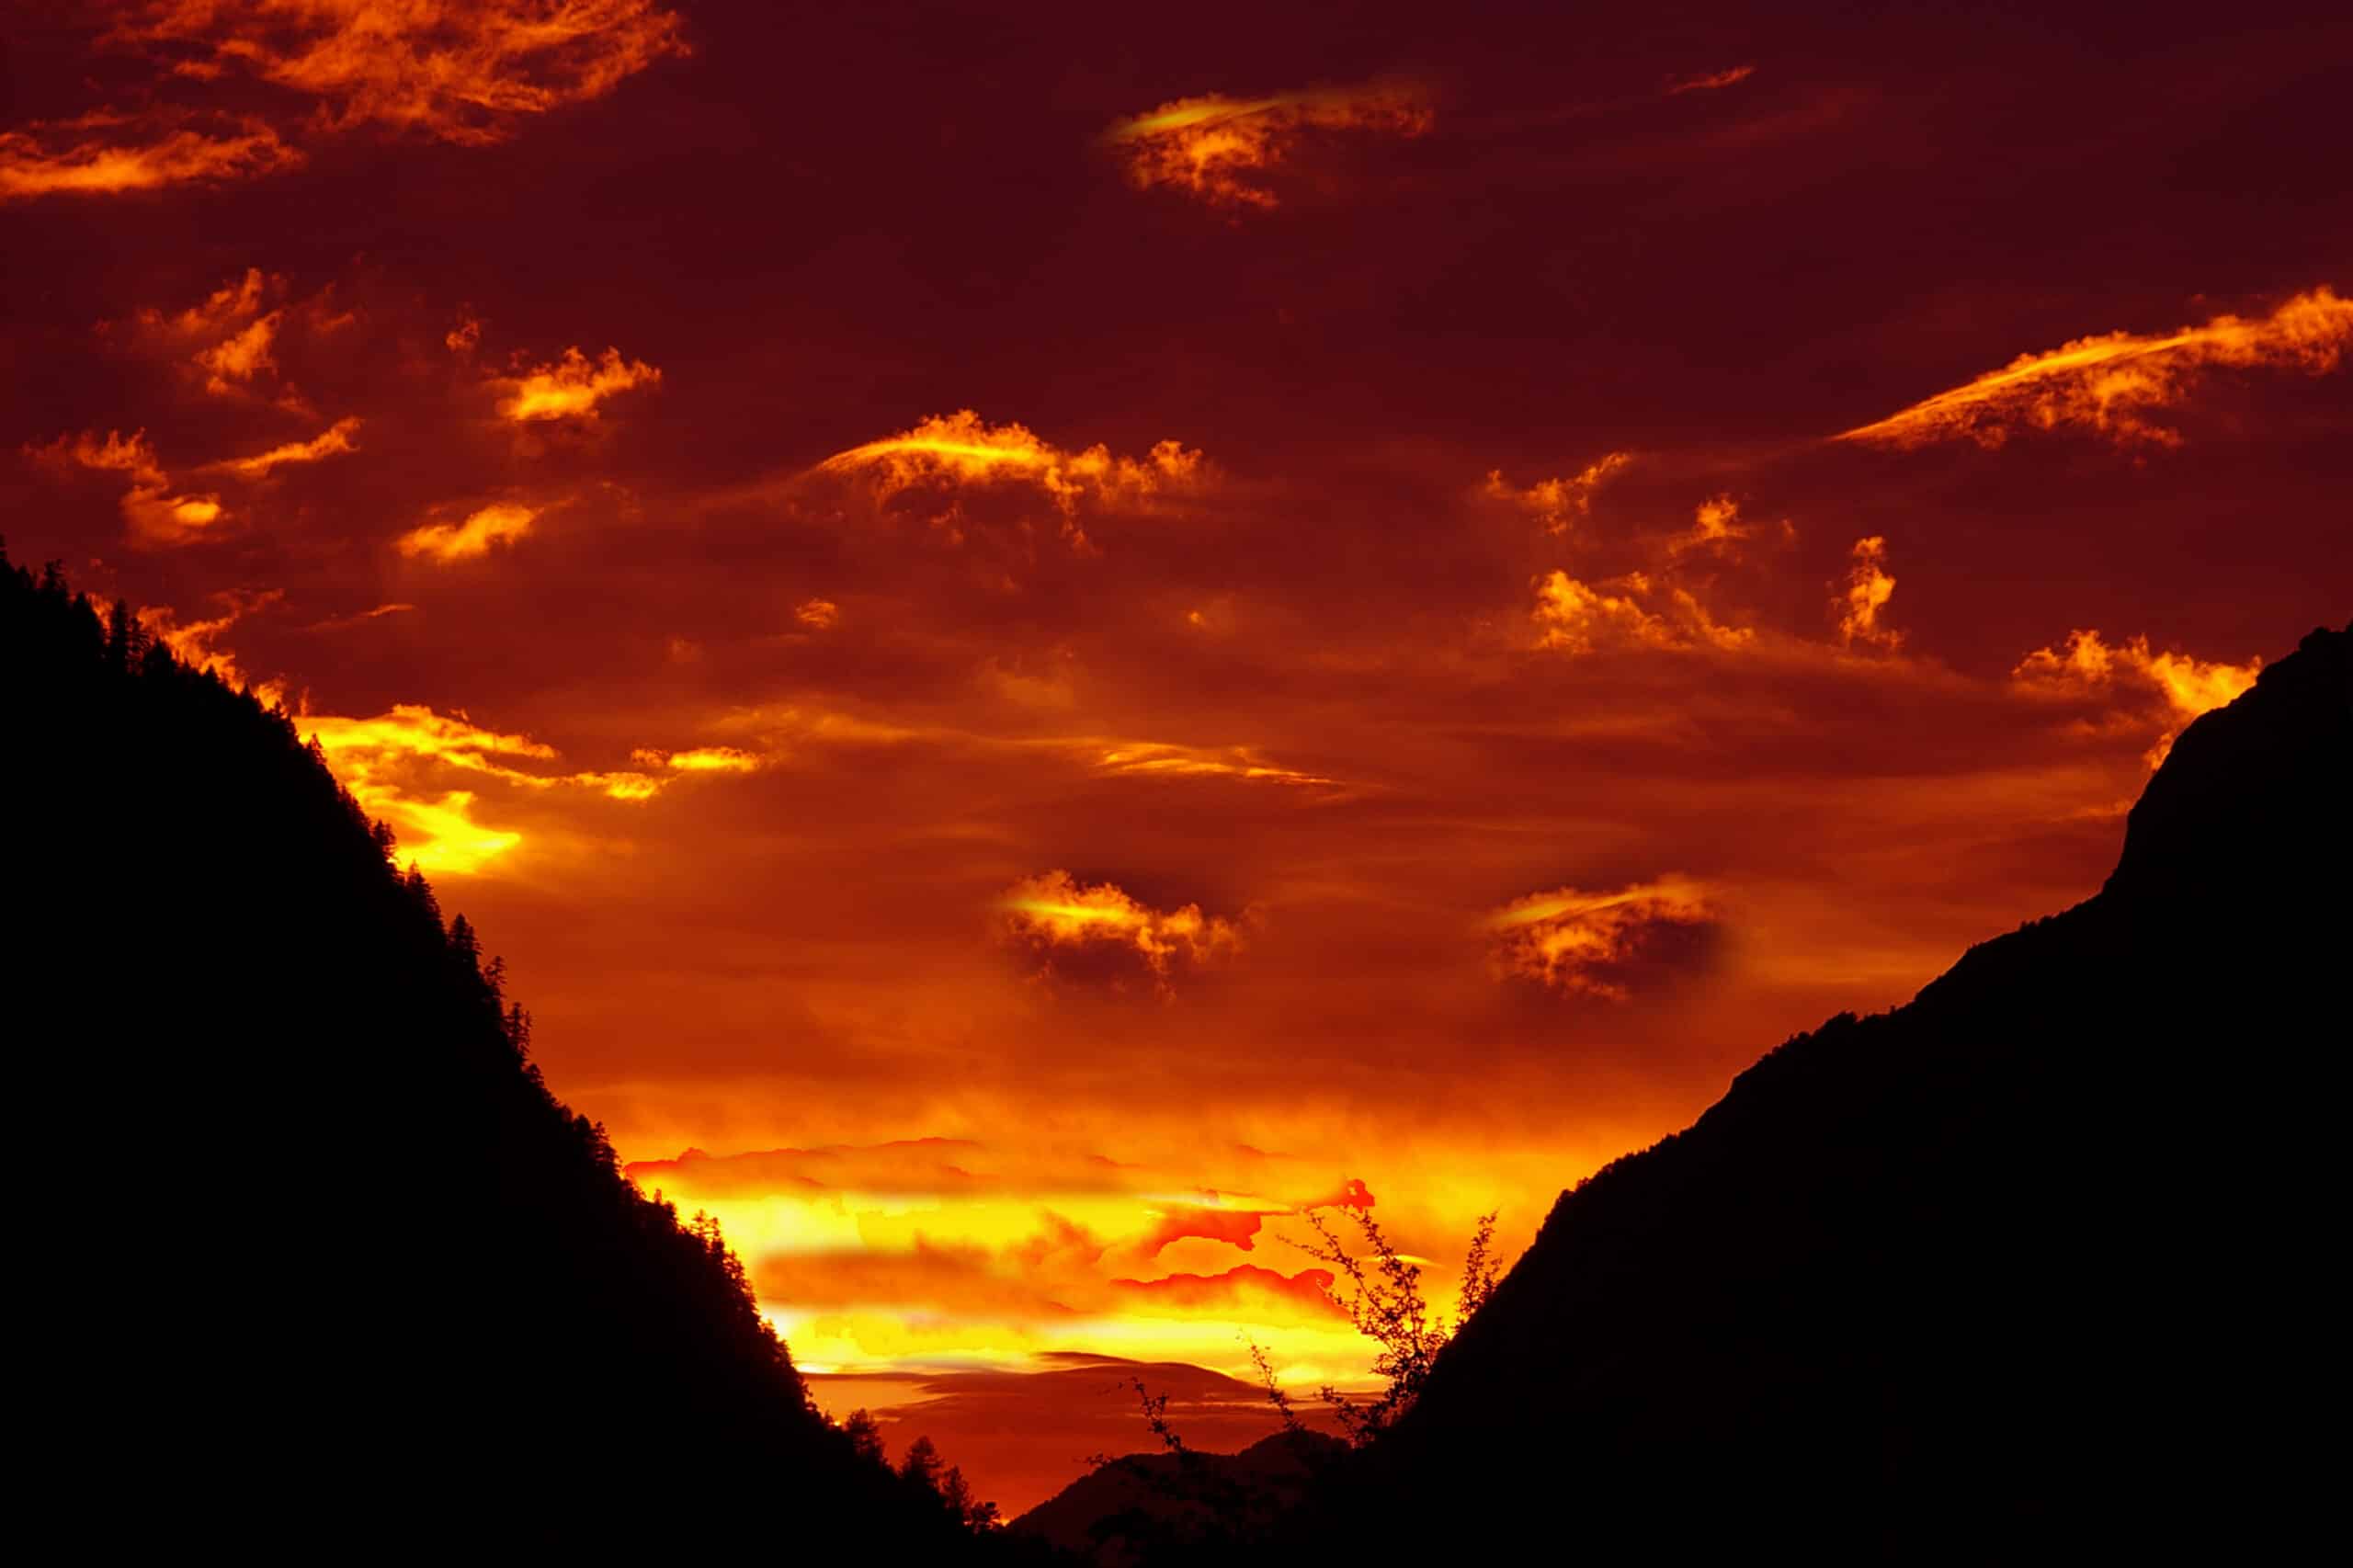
column 2110, row 384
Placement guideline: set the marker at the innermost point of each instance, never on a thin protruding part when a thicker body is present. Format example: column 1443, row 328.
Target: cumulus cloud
column 1586, row 943
column 1559, row 503
column 457, row 70
column 330, row 442
column 2089, row 666
column 2111, row 384
column 1053, row 916
column 961, row 448
column 1221, row 149
column 105, row 153
column 571, row 387
column 1864, row 595
column 1581, row 618
column 501, row 523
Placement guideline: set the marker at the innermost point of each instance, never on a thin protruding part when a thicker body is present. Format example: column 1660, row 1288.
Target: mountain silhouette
column 1147, row 1505
column 2043, row 1261
column 311, row 1256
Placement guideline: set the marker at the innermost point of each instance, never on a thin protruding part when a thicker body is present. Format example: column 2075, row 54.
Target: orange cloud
column 459, row 70
column 500, row 523
column 1244, row 1285
column 335, row 439
column 571, row 387
column 1582, row 942
column 2088, row 665
column 106, row 155
column 1715, row 525
column 1350, row 1194
column 818, row 615
column 1559, row 503
column 240, row 357
column 1866, row 590
column 1710, row 83
column 192, row 642
column 962, row 448
column 1579, row 618
column 1054, row 914
column 1178, row 1223
column 1219, row 149
column 156, row 517
column 2110, row 384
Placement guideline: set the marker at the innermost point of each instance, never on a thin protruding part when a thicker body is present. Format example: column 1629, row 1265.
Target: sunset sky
column 1045, row 635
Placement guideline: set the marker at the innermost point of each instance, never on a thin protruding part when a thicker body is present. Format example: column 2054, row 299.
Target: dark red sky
column 1423, row 815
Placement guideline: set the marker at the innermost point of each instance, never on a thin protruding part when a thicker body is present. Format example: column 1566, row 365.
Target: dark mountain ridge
column 2041, row 1261
column 316, row 1260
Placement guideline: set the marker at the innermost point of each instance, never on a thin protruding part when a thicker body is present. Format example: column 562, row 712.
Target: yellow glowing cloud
column 700, row 759
column 1865, row 594
column 106, row 155
column 1577, row 941
column 2109, row 384
column 500, row 523
column 1158, row 760
column 1219, row 148
column 2188, row 686
column 571, row 387
column 192, row 642
column 156, row 517
column 1580, row 618
column 1053, row 912
column 460, row 69
column 1559, row 503
column 962, row 448
column 328, row 443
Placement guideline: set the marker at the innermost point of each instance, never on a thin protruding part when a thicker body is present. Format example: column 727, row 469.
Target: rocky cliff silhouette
column 309, row 1258
column 2045, row 1261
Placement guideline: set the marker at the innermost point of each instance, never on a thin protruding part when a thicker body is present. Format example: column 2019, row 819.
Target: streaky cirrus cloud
column 700, row 759
column 1054, row 917
column 1559, row 503
column 1222, row 148
column 1585, row 943
column 964, row 448
column 457, row 70
column 1580, row 618
column 1147, row 759
column 500, row 523
column 2112, row 384
column 2088, row 665
column 1710, row 82
column 332, row 441
column 105, row 153
column 157, row 518
column 1865, row 593
column 571, row 387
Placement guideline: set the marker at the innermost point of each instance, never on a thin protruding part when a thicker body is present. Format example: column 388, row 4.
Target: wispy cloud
column 1054, row 914
column 571, row 387
column 330, row 442
column 2111, row 384
column 1221, row 149
column 106, row 155
column 501, row 523
column 1862, row 597
column 156, row 516
column 1582, row 942
column 1580, row 618
column 1559, row 503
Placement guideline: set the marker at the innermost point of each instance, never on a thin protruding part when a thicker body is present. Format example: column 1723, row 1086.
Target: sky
column 1053, row 639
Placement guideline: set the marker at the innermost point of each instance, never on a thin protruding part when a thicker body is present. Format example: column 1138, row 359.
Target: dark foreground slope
column 2046, row 1258
column 308, row 1254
